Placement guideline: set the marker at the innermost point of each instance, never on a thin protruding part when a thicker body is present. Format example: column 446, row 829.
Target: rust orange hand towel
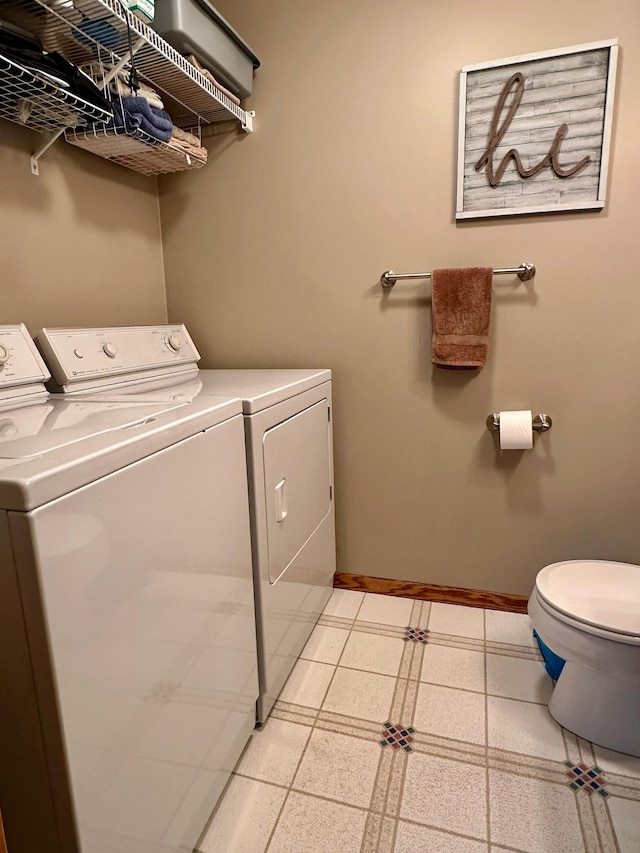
column 461, row 303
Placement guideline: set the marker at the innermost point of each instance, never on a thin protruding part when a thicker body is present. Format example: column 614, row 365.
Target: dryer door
column 297, row 475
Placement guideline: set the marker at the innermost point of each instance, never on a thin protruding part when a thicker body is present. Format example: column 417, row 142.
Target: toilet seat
column 596, row 596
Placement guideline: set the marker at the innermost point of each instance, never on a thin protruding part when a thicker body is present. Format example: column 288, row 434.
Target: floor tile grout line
column 407, row 718
column 385, row 802
column 372, row 820
column 370, row 671
column 557, row 782
column 468, row 760
column 598, row 833
column 594, row 817
column 409, row 652
column 551, row 765
column 300, row 718
column 289, row 788
column 630, row 793
column 281, row 786
column 590, row 747
column 514, row 651
column 444, row 831
column 486, row 734
column 507, row 759
column 417, row 651
column 312, row 729
column 587, row 747
column 476, row 692
column 394, row 817
column 567, row 738
column 513, row 760
column 325, row 799
column 383, row 813
column 366, row 738
column 314, row 724
column 376, row 782
column 405, row 668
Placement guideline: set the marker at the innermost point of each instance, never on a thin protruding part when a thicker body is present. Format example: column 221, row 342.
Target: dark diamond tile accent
column 591, row 780
column 398, row 737
column 416, row 635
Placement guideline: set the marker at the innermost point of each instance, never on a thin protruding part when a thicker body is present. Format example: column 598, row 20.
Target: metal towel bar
column 524, row 272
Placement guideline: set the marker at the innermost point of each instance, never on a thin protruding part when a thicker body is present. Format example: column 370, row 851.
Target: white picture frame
column 554, row 109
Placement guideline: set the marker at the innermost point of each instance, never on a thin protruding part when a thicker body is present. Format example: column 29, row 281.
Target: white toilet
column 588, row 612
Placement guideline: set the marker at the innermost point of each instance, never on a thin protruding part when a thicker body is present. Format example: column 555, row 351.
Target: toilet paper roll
column 516, row 430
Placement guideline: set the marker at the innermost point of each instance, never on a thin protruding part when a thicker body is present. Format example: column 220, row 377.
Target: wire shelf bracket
column 87, row 31
column 247, row 121
column 35, row 168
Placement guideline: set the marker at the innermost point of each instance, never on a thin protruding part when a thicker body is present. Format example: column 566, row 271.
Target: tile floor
column 485, row 768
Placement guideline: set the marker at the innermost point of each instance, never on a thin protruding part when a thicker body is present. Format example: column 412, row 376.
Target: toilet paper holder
column 540, row 423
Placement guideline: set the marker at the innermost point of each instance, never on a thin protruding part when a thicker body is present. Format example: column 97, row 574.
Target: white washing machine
column 128, row 656
column 288, row 426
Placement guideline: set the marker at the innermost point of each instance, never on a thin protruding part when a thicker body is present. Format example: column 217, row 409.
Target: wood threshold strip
column 433, row 592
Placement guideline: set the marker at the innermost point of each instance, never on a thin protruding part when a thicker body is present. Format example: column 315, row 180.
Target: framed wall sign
column 534, row 132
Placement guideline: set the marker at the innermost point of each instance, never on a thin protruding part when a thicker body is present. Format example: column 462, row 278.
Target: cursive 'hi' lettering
column 496, row 134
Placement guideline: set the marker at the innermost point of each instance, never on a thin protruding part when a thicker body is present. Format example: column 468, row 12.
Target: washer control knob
column 174, row 342
column 78, row 353
column 4, row 356
column 110, row 349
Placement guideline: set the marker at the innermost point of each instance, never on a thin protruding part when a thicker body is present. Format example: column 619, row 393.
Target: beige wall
column 273, row 255
column 81, row 243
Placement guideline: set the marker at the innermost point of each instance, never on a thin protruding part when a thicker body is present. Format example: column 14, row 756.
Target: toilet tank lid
column 597, row 592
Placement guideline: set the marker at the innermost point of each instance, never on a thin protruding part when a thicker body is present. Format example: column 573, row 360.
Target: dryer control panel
column 97, row 358
column 22, row 370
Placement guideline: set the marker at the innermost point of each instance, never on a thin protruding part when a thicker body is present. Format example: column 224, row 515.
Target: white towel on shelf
column 120, row 86
column 205, row 71
column 185, row 136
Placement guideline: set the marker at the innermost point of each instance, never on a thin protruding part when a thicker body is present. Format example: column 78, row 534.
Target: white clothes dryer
column 288, row 428
column 127, row 630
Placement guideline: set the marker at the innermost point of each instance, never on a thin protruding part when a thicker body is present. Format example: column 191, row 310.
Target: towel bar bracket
column 540, row 423
column 525, row 272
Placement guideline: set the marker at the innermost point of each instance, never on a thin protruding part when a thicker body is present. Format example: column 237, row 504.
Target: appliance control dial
column 4, row 356
column 110, row 349
column 174, row 342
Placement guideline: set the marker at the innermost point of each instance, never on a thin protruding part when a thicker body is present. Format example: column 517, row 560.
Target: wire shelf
column 137, row 150
column 29, row 99
column 84, row 30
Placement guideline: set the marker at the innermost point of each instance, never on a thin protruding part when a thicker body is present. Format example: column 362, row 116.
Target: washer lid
column 596, row 592
column 50, row 449
column 33, row 431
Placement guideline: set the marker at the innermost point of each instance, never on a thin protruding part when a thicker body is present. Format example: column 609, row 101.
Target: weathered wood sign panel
column 535, row 132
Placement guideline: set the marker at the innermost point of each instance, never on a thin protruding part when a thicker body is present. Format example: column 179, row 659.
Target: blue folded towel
column 131, row 117
column 100, row 30
column 154, row 121
column 123, row 119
